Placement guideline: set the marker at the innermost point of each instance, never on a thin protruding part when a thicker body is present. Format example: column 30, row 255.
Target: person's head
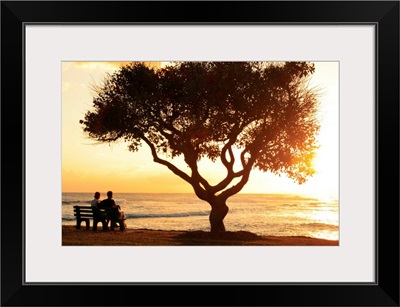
column 97, row 195
column 109, row 194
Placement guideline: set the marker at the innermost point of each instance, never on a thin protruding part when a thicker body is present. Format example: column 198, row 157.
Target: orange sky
column 87, row 167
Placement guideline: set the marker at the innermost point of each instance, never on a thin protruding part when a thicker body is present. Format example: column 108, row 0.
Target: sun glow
column 85, row 165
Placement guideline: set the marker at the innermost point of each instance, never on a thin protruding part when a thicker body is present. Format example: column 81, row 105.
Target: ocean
column 263, row 214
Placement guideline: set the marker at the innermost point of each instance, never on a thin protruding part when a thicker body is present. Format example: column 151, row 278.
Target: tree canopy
column 247, row 115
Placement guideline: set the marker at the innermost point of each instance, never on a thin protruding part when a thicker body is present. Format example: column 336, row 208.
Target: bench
column 85, row 213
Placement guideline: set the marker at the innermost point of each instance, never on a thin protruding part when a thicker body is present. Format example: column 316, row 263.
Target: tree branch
column 226, row 181
column 232, row 175
column 228, row 147
column 228, row 164
column 172, row 167
column 232, row 157
column 239, row 186
column 191, row 161
column 193, row 181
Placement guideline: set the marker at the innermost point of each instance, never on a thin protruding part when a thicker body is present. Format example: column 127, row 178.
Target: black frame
column 383, row 14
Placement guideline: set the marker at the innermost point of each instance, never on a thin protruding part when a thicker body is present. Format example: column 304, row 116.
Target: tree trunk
column 217, row 215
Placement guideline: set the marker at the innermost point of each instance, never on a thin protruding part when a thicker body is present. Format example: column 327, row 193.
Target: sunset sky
column 89, row 167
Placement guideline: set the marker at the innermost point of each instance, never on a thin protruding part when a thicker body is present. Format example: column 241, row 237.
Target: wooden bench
column 86, row 213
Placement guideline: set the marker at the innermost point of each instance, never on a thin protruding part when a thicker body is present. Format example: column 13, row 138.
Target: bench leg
column 113, row 222
column 79, row 222
column 103, row 222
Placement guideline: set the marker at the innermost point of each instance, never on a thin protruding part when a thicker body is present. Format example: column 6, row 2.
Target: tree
column 247, row 115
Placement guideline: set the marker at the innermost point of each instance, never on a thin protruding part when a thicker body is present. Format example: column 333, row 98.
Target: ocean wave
column 121, row 202
column 154, row 215
column 289, row 205
column 313, row 204
column 161, row 215
column 321, row 226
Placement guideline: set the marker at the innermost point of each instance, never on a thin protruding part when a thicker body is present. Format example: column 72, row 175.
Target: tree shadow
column 228, row 238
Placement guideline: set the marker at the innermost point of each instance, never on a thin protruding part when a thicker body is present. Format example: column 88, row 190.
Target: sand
column 149, row 237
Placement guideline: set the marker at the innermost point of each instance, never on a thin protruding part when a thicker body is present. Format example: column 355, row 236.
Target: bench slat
column 82, row 210
column 84, row 215
column 86, row 212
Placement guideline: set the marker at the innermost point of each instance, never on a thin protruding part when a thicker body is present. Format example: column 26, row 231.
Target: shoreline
column 149, row 237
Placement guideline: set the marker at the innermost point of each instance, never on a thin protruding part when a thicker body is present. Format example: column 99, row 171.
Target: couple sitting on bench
column 112, row 212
